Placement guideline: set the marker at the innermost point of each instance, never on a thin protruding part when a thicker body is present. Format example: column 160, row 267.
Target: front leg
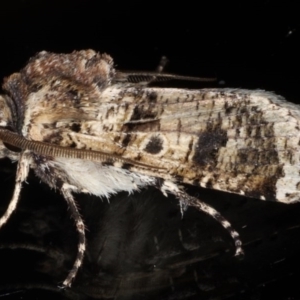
column 22, row 173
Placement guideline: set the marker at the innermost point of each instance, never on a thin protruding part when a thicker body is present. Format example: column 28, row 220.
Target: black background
column 245, row 44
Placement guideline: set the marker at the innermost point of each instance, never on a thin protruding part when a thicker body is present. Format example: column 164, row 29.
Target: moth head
column 6, row 120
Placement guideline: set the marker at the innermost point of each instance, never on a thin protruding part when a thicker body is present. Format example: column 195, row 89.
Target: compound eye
column 9, row 146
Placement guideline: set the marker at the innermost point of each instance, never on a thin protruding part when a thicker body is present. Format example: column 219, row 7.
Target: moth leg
column 187, row 200
column 66, row 190
column 22, row 173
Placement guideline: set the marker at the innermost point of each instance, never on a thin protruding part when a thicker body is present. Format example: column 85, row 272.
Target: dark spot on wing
column 208, row 145
column 72, row 145
column 264, row 185
column 126, row 140
column 143, row 111
column 127, row 166
column 110, row 112
column 190, row 148
column 151, row 125
column 265, row 172
column 76, row 127
column 153, row 97
column 245, row 110
column 155, row 145
column 257, row 157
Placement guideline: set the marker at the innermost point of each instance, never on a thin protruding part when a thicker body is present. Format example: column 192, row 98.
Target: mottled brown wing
column 244, row 142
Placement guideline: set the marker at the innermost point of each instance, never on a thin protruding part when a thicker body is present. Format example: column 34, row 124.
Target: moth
column 84, row 127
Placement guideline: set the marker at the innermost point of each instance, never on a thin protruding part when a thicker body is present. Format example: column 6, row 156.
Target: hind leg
column 187, row 200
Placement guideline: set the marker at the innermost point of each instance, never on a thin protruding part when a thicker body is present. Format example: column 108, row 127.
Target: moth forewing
column 237, row 141
column 63, row 107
